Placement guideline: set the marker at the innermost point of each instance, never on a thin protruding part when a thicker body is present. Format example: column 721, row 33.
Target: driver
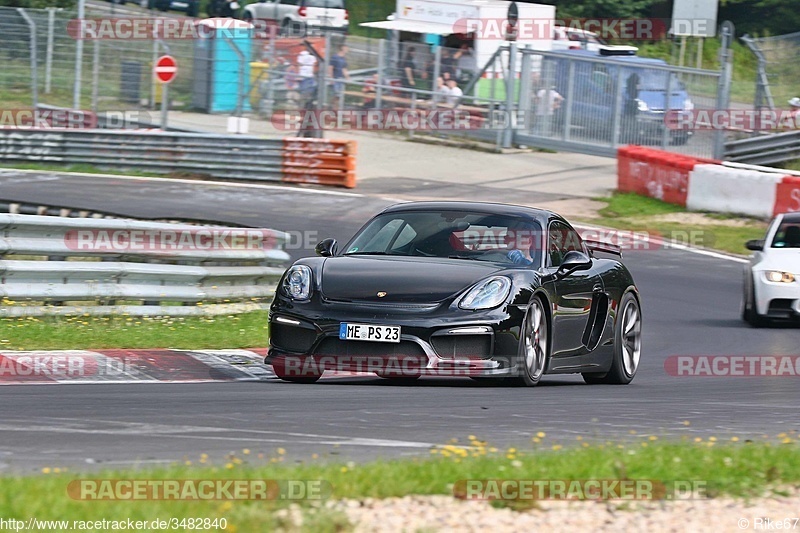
column 521, row 245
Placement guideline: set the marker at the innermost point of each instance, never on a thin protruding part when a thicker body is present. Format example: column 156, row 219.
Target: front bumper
column 777, row 300
column 433, row 341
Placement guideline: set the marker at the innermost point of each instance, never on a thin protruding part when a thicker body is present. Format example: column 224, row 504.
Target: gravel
column 444, row 513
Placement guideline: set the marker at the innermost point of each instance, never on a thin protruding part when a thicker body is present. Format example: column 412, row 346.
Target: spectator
column 407, row 70
column 793, row 120
column 306, row 65
column 337, row 70
column 292, row 80
column 548, row 102
column 370, row 91
column 455, row 93
column 442, row 91
column 466, row 62
column 448, row 68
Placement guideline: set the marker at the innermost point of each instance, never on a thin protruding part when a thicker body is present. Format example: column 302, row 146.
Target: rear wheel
column 533, row 348
column 627, row 346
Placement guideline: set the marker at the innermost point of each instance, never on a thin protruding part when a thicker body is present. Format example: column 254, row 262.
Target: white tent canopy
column 411, row 26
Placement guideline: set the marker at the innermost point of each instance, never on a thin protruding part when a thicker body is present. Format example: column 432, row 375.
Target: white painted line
column 261, row 186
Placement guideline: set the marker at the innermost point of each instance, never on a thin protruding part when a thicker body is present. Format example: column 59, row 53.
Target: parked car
column 574, row 39
column 641, row 101
column 772, row 278
column 488, row 291
column 299, row 17
column 190, row 7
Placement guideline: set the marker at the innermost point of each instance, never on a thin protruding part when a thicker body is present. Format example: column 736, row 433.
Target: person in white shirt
column 548, row 101
column 455, row 93
column 442, row 91
column 305, row 71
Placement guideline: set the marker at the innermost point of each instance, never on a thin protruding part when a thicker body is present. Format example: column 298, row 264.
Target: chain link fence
column 778, row 78
column 560, row 100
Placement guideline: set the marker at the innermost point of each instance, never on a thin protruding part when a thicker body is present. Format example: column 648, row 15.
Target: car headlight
column 688, row 105
column 642, row 105
column 776, row 276
column 297, row 283
column 487, row 294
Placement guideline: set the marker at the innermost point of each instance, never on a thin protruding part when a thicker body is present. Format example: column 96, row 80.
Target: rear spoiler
column 601, row 246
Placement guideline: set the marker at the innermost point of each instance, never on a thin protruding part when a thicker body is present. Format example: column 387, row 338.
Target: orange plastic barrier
column 787, row 197
column 319, row 161
column 655, row 173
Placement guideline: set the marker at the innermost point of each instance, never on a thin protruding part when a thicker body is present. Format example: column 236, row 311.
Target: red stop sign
column 166, row 69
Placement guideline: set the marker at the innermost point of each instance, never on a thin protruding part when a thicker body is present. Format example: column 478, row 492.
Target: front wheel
column 533, row 351
column 627, row 346
column 749, row 310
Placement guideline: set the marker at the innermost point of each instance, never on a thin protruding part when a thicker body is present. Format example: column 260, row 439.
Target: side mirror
column 755, row 245
column 326, row 248
column 573, row 261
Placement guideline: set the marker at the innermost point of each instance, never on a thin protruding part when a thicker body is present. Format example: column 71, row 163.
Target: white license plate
column 367, row 332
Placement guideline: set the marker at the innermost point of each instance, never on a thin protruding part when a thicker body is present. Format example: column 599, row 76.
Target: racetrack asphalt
column 690, row 306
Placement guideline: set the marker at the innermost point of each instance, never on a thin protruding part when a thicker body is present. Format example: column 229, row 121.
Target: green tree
column 38, row 4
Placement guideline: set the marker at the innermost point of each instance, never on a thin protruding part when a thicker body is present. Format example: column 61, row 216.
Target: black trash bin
column 130, row 83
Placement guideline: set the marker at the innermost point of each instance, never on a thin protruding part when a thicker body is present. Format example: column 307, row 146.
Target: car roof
column 490, row 208
column 791, row 217
column 621, row 59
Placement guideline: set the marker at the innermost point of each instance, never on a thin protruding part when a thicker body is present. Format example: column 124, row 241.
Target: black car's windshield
column 452, row 235
column 788, row 235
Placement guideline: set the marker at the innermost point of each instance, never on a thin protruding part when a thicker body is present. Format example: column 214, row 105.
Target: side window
column 290, row 2
column 560, row 240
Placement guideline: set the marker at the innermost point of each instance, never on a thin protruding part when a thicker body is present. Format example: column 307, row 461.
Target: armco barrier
column 102, row 266
column 707, row 185
column 654, row 173
column 236, row 157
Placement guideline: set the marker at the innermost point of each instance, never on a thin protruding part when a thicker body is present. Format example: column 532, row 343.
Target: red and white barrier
column 707, row 185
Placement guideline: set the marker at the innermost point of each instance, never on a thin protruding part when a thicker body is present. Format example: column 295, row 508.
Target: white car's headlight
column 297, row 283
column 642, row 105
column 688, row 105
column 487, row 294
column 776, row 276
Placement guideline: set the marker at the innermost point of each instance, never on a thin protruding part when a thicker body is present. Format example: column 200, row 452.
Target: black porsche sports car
column 484, row 290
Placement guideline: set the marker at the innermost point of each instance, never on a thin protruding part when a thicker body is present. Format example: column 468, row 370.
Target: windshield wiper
column 367, row 253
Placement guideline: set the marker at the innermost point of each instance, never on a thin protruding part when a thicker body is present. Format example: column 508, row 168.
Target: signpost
column 165, row 70
column 511, row 78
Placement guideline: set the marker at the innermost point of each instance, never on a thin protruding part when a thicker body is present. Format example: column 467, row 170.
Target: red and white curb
column 132, row 366
column 50, row 367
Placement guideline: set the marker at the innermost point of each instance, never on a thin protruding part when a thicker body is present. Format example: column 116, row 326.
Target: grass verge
column 247, row 330
column 739, row 469
column 632, row 212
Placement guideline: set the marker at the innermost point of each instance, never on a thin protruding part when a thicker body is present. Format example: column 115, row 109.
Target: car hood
column 403, row 279
column 785, row 259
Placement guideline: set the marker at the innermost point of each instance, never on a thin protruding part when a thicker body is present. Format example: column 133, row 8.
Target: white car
column 298, row 17
column 574, row 39
column 772, row 278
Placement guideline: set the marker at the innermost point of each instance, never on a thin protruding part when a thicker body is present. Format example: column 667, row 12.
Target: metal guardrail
column 238, row 157
column 102, row 266
column 765, row 149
